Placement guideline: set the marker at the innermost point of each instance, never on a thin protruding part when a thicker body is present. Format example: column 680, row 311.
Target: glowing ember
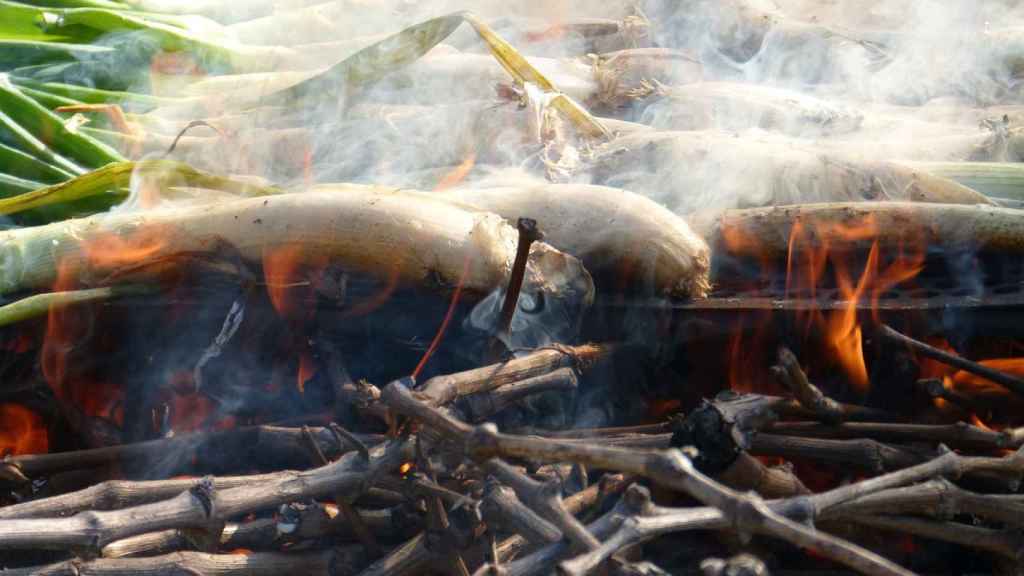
column 405, row 468
column 21, row 431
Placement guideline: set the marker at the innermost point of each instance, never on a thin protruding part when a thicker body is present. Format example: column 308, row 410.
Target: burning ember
column 396, row 288
column 22, row 431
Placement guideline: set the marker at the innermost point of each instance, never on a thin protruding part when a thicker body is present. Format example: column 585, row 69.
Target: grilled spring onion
column 110, row 181
column 994, row 179
column 49, row 129
column 39, row 305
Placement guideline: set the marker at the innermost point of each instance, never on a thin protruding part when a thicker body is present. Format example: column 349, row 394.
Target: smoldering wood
column 252, row 442
column 721, row 430
column 201, row 506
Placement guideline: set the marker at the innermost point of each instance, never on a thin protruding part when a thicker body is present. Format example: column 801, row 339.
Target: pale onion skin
column 708, row 171
column 606, row 227
column 363, row 229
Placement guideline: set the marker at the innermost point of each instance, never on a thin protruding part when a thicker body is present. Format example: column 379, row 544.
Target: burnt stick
column 960, row 434
column 1010, row 382
column 1007, row 542
column 310, row 522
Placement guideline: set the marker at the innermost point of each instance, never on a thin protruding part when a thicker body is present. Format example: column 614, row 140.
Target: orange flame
column 288, row 271
column 21, row 431
column 67, row 328
column 306, row 370
column 458, row 174
column 814, row 250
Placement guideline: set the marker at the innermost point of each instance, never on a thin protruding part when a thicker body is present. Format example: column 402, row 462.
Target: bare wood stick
column 1011, row 383
column 483, row 405
column 960, row 434
column 669, row 468
column 745, row 564
column 441, row 390
column 299, row 523
column 546, row 499
column 540, row 561
column 934, row 498
column 1007, row 543
column 334, row 562
column 409, row 558
column 114, row 494
column 793, row 377
column 865, row 454
column 255, row 440
column 646, row 522
column 201, row 506
column 575, row 504
column 344, row 500
column 585, row 433
column 501, row 507
column 417, row 486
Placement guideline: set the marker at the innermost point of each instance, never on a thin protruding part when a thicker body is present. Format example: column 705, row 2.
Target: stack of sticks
column 446, row 492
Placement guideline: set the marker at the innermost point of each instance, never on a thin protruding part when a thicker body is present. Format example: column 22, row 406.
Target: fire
column 405, row 468
column 288, row 271
column 114, row 251
column 21, row 431
column 458, row 174
column 974, row 385
column 306, row 370
column 820, row 255
column 812, row 250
